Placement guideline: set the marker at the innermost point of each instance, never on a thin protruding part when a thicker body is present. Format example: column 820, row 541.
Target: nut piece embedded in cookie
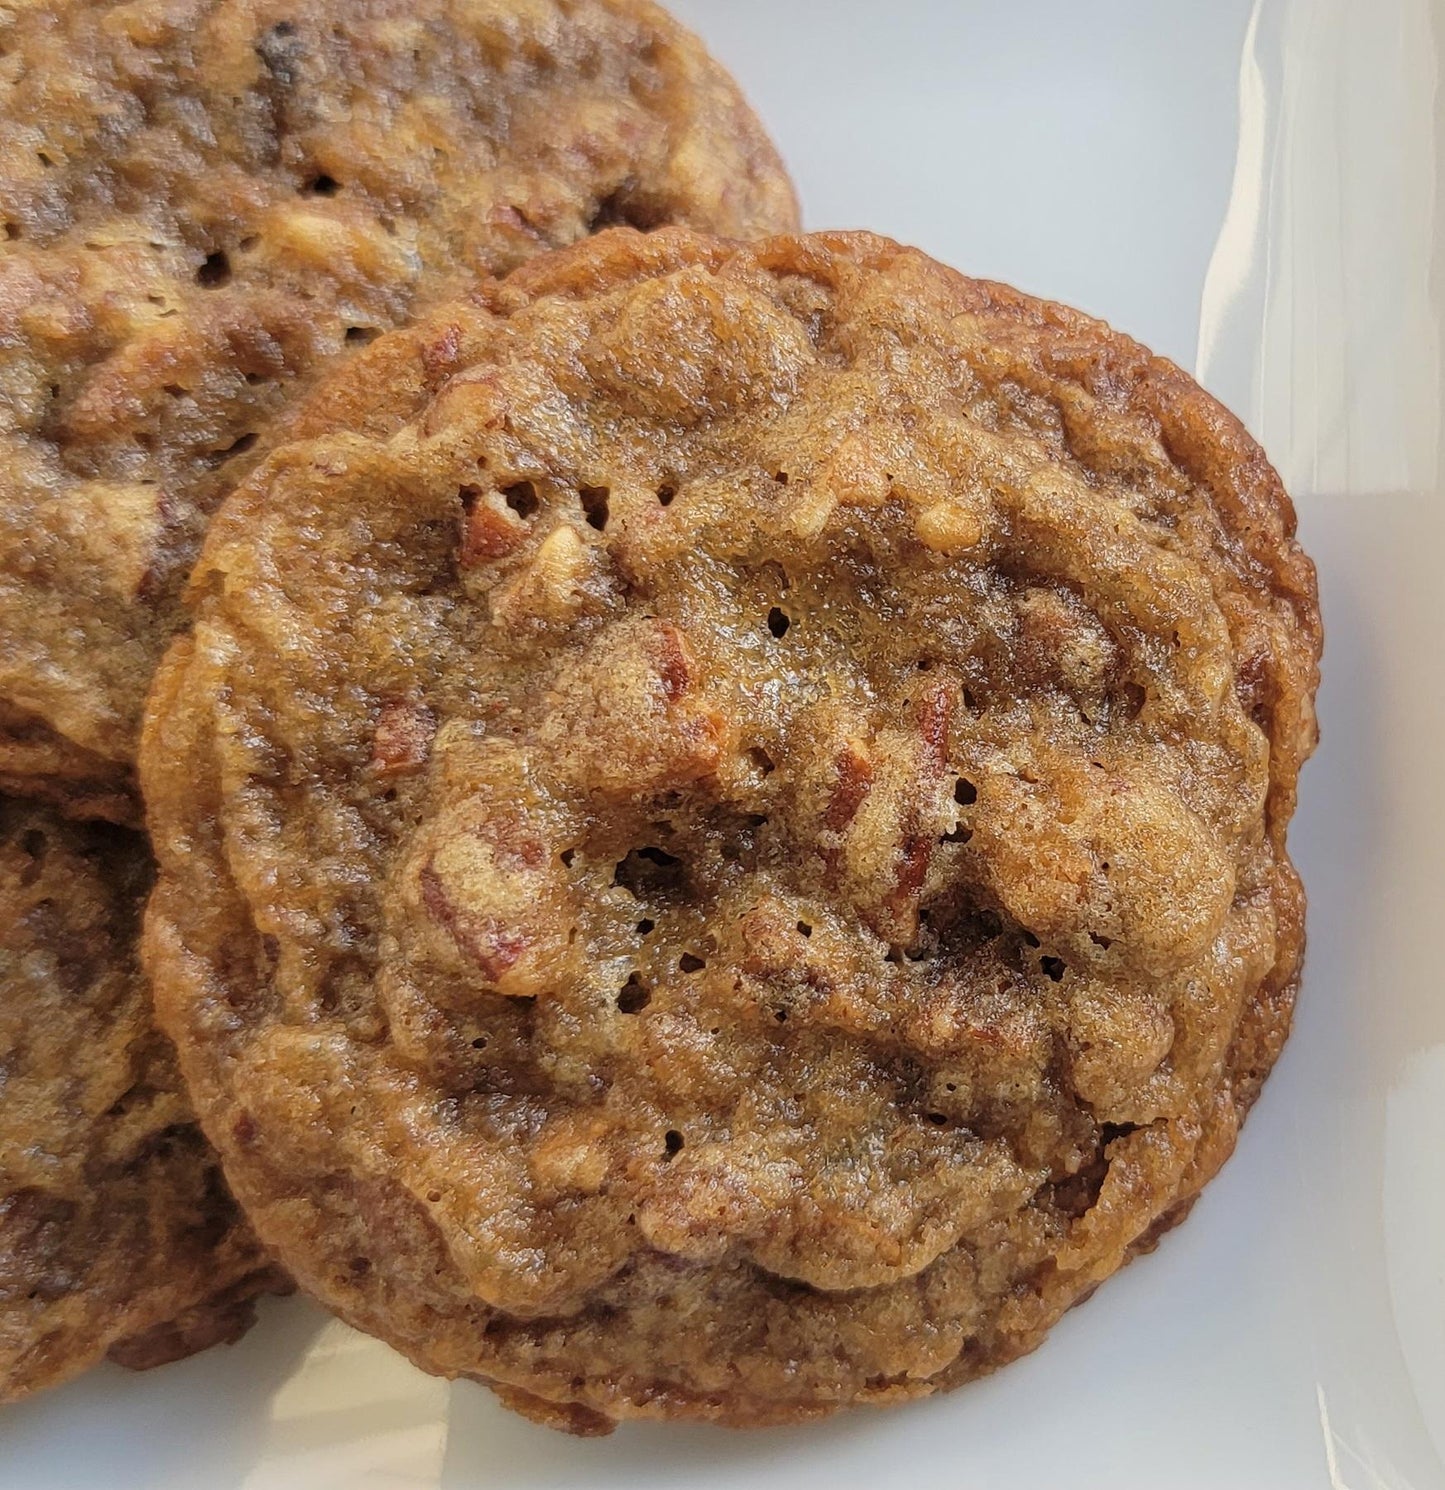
column 769, row 787
column 628, row 715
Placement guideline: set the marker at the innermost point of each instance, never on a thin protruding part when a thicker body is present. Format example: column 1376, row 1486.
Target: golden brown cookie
column 117, row 1233
column 723, row 842
column 203, row 201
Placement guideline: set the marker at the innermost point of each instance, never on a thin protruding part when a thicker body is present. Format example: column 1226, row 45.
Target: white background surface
column 1292, row 1334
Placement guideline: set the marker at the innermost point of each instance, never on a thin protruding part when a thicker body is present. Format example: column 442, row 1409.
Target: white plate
column 1252, row 192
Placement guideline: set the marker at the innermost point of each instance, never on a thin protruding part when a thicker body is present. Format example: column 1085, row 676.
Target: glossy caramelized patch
column 204, row 201
column 730, row 843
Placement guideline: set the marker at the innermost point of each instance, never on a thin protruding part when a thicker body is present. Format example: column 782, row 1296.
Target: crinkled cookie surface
column 203, row 201
column 722, row 825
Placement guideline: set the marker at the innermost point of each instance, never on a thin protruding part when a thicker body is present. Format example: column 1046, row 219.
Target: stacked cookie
column 720, row 804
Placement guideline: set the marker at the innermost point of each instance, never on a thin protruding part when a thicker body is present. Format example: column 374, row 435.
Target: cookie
column 202, row 202
column 725, row 856
column 117, row 1233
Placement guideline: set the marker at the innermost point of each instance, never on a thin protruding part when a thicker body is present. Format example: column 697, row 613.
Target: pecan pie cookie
column 117, row 1233
column 722, row 833
column 204, row 201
